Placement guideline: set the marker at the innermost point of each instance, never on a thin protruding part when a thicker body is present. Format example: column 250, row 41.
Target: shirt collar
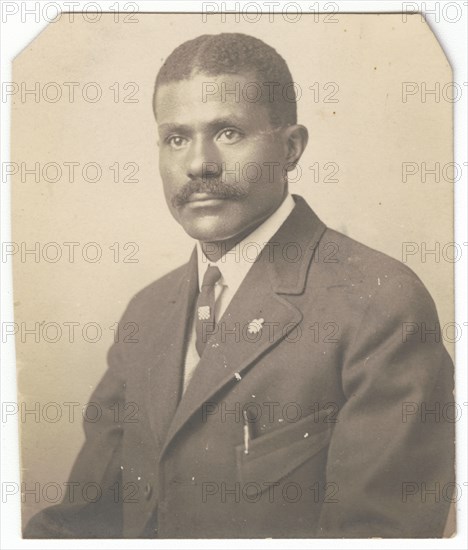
column 235, row 264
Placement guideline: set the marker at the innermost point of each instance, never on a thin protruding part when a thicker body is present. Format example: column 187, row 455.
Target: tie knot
column 212, row 276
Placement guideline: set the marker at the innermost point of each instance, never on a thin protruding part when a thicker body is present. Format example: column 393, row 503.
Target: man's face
column 221, row 160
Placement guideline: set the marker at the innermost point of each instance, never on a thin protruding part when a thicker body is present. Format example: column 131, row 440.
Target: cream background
column 369, row 133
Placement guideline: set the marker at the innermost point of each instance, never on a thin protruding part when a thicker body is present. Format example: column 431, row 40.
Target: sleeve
column 92, row 506
column 392, row 449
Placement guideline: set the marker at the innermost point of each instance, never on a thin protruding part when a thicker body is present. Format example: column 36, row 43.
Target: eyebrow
column 174, row 127
column 216, row 124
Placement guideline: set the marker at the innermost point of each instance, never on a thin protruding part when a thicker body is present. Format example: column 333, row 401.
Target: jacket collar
column 291, row 249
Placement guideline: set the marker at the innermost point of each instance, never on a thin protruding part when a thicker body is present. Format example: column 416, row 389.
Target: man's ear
column 296, row 137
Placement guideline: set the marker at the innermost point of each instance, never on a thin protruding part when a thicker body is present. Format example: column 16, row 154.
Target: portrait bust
column 278, row 375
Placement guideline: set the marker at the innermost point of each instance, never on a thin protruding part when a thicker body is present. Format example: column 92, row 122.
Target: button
column 148, row 490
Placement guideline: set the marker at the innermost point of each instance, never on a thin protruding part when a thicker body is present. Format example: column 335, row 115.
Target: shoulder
column 158, row 293
column 358, row 260
column 369, row 274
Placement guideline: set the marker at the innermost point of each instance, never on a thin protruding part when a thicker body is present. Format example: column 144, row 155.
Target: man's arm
column 388, row 450
column 95, row 471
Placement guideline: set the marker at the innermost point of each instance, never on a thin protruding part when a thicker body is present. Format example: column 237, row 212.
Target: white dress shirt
column 234, row 266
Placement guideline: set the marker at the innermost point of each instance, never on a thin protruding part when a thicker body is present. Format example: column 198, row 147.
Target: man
column 278, row 376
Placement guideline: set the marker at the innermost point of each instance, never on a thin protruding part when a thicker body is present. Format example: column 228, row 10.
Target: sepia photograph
column 233, row 255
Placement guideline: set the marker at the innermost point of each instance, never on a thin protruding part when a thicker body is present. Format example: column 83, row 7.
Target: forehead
column 204, row 97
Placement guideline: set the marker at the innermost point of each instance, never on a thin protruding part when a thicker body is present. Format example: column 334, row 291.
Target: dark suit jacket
column 339, row 380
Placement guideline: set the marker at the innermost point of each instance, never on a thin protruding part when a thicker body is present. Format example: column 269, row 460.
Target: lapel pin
column 203, row 313
column 255, row 326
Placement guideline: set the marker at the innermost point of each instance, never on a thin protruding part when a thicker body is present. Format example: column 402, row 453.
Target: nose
column 203, row 160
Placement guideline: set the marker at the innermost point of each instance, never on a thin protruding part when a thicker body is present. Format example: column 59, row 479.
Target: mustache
column 213, row 186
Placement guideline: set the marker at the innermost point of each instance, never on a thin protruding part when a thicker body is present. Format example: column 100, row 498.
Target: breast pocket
column 273, row 456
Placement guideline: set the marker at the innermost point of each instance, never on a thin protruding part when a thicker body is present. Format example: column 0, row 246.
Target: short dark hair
column 235, row 53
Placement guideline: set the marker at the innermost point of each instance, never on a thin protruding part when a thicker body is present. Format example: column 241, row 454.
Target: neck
column 215, row 250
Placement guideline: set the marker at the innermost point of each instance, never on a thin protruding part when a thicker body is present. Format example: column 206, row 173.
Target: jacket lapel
column 233, row 349
column 168, row 354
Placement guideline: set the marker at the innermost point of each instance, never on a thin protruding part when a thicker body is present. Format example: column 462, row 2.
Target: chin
column 206, row 231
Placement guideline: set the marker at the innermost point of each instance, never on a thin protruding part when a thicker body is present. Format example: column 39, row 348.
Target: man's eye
column 177, row 142
column 229, row 136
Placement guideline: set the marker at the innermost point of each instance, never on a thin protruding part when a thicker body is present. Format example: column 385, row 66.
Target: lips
column 205, row 197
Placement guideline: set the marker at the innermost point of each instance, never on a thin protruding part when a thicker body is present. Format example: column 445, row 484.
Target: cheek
column 262, row 150
column 168, row 171
column 244, row 162
column 263, row 164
